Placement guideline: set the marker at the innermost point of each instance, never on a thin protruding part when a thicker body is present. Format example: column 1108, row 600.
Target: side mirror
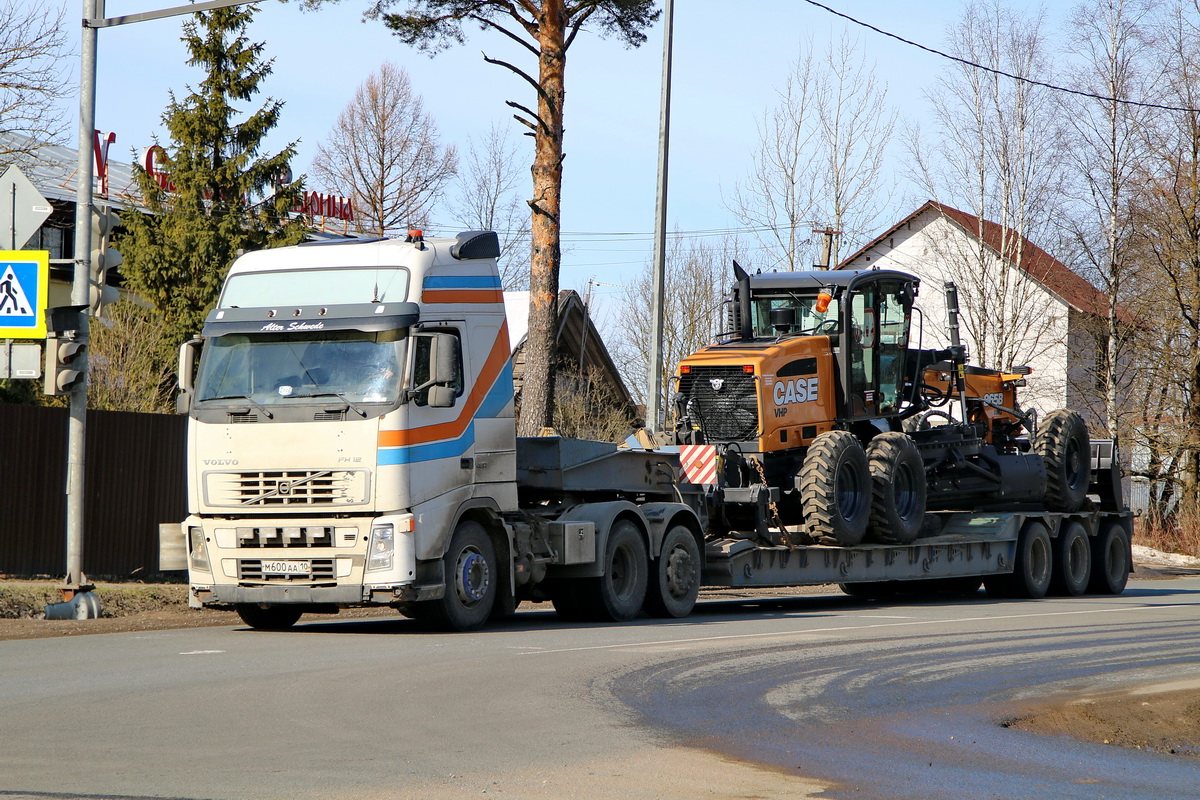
column 187, row 368
column 441, row 396
column 443, row 365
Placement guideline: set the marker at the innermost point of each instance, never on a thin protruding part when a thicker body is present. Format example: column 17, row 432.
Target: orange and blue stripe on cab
column 462, row 289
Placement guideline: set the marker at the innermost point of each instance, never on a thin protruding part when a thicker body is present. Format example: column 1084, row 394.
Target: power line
column 996, row 71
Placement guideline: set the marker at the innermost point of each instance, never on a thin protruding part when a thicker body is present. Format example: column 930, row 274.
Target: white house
column 1019, row 305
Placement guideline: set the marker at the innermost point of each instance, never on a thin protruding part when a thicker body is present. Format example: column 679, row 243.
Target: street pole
column 93, row 20
column 654, row 405
column 77, row 425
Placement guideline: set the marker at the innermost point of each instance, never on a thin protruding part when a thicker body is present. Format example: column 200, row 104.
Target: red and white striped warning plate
column 699, row 462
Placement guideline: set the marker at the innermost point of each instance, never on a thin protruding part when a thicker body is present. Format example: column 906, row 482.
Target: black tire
column 1110, row 559
column 1072, row 561
column 675, row 576
column 897, row 489
column 1062, row 442
column 269, row 618
column 472, row 579
column 835, row 489
column 619, row 593
column 1032, row 567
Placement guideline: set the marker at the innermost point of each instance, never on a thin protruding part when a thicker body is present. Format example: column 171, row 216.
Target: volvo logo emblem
column 716, row 383
column 283, row 487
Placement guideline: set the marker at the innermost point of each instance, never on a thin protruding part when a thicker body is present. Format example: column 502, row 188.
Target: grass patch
column 28, row 600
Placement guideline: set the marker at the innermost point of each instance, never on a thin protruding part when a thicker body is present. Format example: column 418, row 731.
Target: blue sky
column 729, row 60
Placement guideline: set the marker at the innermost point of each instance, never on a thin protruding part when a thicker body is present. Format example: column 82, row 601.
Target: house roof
column 1035, row 262
column 578, row 338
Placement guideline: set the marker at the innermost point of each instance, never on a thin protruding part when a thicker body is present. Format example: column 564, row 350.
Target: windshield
column 808, row 319
column 285, row 367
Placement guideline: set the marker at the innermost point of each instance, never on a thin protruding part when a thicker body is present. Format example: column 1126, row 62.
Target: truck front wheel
column 471, row 581
column 269, row 618
column 675, row 577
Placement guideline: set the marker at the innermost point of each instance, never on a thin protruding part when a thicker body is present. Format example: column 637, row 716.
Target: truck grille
column 291, row 536
column 275, row 488
column 322, row 570
column 722, row 401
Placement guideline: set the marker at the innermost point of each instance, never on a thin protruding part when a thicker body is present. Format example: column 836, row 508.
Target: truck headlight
column 197, row 550
column 382, row 549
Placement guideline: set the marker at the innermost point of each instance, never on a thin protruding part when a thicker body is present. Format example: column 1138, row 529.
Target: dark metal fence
column 134, row 479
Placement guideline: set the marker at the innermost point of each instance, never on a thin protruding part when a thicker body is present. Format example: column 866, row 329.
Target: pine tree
column 223, row 195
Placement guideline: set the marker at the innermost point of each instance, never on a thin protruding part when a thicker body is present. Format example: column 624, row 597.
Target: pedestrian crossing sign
column 24, row 285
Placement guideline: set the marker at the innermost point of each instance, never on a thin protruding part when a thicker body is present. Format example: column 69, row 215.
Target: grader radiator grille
column 723, row 401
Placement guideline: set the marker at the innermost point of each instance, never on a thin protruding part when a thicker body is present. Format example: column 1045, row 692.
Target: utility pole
column 93, row 20
column 654, row 403
column 826, row 246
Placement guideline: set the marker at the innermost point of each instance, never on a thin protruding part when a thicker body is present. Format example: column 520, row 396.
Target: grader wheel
column 835, row 489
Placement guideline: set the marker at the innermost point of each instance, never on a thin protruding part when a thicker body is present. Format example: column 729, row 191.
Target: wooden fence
column 133, row 478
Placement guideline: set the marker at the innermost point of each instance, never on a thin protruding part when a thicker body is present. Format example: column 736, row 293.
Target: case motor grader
column 830, row 427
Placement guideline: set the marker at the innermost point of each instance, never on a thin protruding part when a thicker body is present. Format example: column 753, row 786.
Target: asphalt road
column 896, row 700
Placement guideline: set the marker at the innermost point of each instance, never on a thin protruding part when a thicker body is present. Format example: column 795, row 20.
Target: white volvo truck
column 351, row 442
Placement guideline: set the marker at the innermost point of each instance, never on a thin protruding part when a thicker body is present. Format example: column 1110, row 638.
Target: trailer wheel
column 1072, row 561
column 269, row 618
column 1110, row 559
column 1062, row 441
column 1032, row 566
column 471, row 581
column 835, row 489
column 618, row 594
column 897, row 489
column 675, row 577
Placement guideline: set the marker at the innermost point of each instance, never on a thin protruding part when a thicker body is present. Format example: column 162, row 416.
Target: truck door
column 440, row 430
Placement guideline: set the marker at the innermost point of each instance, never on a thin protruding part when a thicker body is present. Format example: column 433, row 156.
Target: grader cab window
column 880, row 314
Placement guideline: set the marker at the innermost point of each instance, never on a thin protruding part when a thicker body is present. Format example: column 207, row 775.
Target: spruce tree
column 223, row 195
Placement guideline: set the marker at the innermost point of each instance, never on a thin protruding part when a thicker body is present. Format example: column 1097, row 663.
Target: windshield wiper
column 341, row 396
column 266, row 411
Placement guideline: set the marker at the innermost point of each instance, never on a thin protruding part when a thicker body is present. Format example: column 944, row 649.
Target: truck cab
column 352, row 402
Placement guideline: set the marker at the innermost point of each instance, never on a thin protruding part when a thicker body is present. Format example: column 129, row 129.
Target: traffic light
column 100, row 294
column 64, row 353
column 64, row 359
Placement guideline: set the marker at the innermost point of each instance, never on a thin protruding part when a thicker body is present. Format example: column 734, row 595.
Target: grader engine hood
column 283, row 468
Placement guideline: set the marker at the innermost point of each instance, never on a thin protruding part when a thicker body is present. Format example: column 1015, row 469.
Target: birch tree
column 997, row 155
column 697, row 279
column 487, row 196
column 1111, row 41
column 820, row 157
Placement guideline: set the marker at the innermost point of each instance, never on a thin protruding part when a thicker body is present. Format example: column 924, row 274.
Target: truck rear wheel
column 1110, row 559
column 471, row 581
column 897, row 489
column 675, row 576
column 618, row 594
column 835, row 489
column 269, row 618
column 1032, row 567
column 1062, row 442
column 1072, row 561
